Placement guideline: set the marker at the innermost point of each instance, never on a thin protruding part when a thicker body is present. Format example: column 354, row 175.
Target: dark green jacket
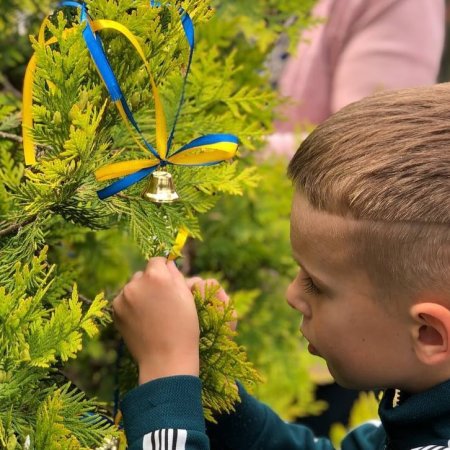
column 166, row 414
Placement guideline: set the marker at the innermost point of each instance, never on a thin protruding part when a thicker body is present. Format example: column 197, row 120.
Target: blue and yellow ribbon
column 206, row 150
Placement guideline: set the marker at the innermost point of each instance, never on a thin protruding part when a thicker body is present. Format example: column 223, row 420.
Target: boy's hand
column 156, row 315
column 200, row 284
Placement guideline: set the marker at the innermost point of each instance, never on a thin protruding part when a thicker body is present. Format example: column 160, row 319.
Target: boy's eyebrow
column 297, row 260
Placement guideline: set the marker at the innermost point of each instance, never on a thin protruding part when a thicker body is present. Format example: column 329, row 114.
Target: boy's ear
column 431, row 332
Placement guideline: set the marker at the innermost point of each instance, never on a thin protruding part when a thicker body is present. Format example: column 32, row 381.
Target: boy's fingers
column 156, row 263
column 193, row 282
column 223, row 296
column 116, row 305
column 200, row 284
column 175, row 273
column 137, row 275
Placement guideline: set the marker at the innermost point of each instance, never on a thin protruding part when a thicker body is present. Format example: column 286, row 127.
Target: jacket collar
column 419, row 420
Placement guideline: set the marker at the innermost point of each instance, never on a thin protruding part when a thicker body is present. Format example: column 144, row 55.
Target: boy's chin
column 350, row 381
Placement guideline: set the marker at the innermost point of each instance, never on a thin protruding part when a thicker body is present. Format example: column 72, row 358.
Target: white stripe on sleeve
column 147, row 442
column 156, row 440
column 181, row 441
column 164, row 439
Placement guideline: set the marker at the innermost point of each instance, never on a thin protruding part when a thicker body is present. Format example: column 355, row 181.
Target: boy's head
column 371, row 221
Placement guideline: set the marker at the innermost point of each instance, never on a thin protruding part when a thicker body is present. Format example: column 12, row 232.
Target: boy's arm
column 156, row 315
column 165, row 414
column 157, row 318
column 254, row 426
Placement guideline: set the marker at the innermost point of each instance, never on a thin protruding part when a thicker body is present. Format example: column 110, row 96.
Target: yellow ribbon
column 180, row 240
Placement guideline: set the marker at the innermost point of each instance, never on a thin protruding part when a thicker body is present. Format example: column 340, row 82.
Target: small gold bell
column 160, row 188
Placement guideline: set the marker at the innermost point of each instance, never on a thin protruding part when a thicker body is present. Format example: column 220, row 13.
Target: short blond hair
column 385, row 161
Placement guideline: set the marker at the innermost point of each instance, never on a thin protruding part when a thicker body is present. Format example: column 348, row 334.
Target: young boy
column 370, row 231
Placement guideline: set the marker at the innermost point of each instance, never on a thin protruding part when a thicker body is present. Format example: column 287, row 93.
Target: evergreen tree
column 56, row 235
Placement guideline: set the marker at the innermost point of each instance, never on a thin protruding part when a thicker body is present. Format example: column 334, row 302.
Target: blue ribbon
column 95, row 47
column 125, row 182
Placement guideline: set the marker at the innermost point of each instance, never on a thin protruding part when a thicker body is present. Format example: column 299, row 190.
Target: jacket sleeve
column 254, row 426
column 166, row 414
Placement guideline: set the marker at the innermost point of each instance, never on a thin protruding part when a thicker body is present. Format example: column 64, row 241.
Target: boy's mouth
column 311, row 348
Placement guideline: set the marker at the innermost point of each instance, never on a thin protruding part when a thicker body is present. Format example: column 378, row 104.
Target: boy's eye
column 308, row 285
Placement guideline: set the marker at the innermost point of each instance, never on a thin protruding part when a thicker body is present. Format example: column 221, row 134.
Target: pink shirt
column 363, row 46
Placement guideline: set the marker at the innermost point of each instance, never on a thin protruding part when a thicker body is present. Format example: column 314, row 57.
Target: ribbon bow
column 206, row 150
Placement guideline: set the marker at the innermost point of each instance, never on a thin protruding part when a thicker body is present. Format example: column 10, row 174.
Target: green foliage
column 28, row 334
column 222, row 360
column 17, row 19
column 76, row 129
column 251, row 30
column 36, row 337
column 65, row 420
column 270, row 19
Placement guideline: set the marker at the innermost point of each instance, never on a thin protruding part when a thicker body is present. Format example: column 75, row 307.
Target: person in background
column 360, row 47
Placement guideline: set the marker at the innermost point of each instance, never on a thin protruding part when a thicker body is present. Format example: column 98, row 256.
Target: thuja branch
column 15, row 227
column 9, row 87
column 84, row 299
column 11, row 137
column 19, row 139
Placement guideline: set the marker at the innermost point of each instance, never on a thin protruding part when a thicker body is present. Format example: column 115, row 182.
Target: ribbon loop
column 203, row 151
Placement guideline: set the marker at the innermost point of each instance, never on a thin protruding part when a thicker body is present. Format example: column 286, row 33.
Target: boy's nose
column 304, row 308
column 289, row 295
column 295, row 301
